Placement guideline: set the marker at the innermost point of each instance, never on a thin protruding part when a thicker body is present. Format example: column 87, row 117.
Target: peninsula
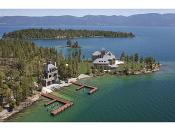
column 106, row 62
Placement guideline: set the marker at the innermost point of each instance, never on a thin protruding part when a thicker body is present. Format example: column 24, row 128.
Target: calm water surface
column 128, row 98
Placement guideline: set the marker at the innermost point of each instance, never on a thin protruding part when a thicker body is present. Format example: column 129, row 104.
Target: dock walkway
column 66, row 103
column 81, row 86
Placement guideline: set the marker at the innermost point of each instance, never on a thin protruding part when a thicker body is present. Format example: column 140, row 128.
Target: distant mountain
column 151, row 19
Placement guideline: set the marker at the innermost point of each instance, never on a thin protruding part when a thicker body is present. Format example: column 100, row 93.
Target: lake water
column 128, row 98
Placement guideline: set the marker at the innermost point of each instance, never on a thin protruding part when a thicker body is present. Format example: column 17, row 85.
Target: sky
column 80, row 12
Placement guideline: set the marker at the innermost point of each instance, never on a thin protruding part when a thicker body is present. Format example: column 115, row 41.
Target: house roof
column 105, row 58
column 49, row 67
column 109, row 56
column 96, row 53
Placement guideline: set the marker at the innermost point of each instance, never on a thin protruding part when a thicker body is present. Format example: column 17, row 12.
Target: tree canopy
column 63, row 34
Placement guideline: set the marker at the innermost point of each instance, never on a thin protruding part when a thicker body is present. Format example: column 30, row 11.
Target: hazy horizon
column 81, row 12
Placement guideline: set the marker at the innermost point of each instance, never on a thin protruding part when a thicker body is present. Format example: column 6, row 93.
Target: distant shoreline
column 35, row 33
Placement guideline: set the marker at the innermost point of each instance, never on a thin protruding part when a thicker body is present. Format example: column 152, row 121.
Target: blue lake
column 158, row 42
column 129, row 98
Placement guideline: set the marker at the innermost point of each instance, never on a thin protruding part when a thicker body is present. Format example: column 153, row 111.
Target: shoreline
column 53, row 87
column 5, row 115
column 56, row 38
column 142, row 72
column 31, row 100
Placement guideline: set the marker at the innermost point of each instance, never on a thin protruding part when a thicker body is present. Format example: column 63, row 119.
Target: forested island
column 64, row 34
column 72, row 44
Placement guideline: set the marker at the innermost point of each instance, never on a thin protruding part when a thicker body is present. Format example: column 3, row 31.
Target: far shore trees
column 64, row 34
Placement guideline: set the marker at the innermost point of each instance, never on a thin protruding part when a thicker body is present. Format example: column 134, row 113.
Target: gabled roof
column 108, row 56
column 96, row 53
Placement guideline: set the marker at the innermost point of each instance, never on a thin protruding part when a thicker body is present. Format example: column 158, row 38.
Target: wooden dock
column 93, row 90
column 50, row 102
column 81, row 86
column 62, row 108
column 66, row 103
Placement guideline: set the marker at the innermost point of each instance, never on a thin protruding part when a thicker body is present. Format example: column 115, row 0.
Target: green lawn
column 84, row 67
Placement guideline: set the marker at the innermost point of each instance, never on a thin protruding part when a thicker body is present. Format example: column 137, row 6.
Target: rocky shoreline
column 128, row 73
column 143, row 71
column 4, row 114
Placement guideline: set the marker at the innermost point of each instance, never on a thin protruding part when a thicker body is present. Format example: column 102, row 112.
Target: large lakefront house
column 105, row 59
column 50, row 74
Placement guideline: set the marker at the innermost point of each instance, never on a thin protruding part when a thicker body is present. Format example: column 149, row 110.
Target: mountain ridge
column 150, row 19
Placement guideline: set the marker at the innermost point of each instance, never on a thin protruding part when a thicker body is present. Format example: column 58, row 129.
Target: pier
column 50, row 102
column 81, row 86
column 66, row 103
